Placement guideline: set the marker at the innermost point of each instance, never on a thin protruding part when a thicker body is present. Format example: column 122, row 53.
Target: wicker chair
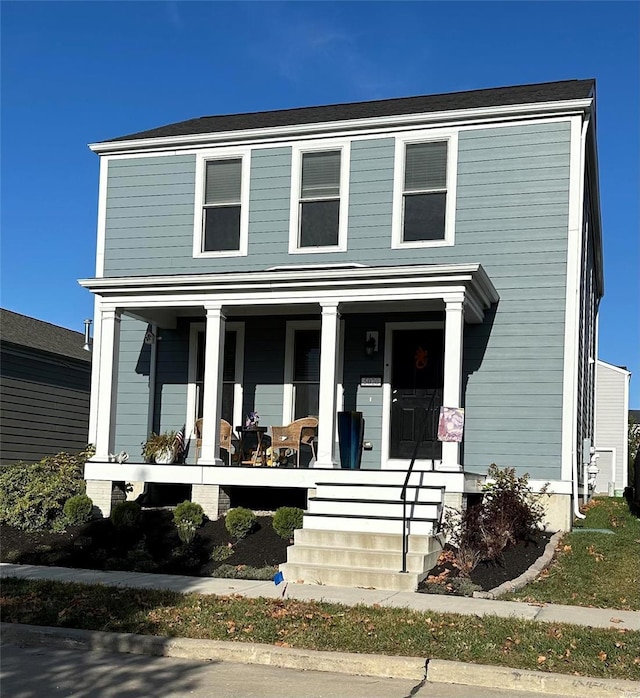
column 293, row 436
column 225, row 438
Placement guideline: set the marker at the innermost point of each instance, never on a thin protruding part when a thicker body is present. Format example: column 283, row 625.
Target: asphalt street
column 41, row 672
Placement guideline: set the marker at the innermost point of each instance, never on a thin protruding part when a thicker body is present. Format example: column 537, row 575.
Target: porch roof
column 299, row 285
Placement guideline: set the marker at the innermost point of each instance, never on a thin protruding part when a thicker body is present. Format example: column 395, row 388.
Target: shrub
column 188, row 512
column 240, row 522
column 32, row 495
column 510, row 512
column 244, row 572
column 286, row 520
column 221, row 552
column 126, row 515
column 78, row 509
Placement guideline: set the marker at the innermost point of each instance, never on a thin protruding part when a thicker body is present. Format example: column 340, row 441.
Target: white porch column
column 95, row 373
column 329, row 343
column 212, row 388
column 107, row 379
column 452, row 391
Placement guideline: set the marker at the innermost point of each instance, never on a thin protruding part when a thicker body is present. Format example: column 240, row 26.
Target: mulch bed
column 155, row 547
column 515, row 560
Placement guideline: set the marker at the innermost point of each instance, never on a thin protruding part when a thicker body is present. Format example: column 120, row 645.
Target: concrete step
column 349, row 558
column 389, row 493
column 372, row 507
column 367, row 541
column 367, row 524
column 346, row 577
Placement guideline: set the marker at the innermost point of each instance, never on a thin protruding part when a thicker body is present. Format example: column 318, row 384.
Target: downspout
column 583, row 160
column 153, row 362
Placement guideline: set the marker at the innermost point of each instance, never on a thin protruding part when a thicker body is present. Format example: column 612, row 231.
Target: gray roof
column 494, row 97
column 25, row 331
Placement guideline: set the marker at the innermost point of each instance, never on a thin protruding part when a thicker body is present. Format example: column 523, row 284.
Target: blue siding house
column 387, row 258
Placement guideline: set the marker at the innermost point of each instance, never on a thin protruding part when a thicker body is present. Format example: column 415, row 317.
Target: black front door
column 416, row 385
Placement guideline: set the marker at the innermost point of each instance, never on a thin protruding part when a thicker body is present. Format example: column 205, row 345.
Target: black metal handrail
column 403, row 493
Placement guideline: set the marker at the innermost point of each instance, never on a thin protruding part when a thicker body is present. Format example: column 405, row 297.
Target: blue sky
column 79, row 72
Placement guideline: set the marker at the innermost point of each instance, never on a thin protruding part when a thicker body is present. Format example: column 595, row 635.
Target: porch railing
column 430, row 419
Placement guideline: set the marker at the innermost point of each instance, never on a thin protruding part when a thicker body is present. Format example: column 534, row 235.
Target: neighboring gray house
column 612, row 426
column 45, row 379
column 384, row 257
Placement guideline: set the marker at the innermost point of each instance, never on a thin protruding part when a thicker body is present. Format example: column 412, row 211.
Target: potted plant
column 160, row 448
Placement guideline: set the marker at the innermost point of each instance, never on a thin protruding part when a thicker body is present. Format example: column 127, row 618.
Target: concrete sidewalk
column 426, row 671
column 551, row 613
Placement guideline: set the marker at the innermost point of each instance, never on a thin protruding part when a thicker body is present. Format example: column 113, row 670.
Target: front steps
column 352, row 536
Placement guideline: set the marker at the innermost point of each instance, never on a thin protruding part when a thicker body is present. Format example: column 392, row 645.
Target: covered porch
column 241, row 342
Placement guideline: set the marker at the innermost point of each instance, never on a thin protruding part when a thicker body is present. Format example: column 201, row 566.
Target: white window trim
column 397, row 226
column 197, row 327
column 198, row 218
column 288, row 400
column 297, row 151
column 386, row 462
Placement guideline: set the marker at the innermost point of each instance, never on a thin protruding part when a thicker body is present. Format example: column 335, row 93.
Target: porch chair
column 294, row 435
column 225, row 438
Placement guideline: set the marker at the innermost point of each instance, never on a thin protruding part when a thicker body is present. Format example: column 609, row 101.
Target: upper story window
column 319, row 198
column 424, row 190
column 222, row 203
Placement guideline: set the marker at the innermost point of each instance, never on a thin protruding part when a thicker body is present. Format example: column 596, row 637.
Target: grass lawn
column 594, row 569
column 490, row 640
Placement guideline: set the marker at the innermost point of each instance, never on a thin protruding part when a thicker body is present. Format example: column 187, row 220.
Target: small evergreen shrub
column 126, row 515
column 240, row 522
column 78, row 509
column 188, row 511
column 33, row 495
column 188, row 516
column 286, row 520
column 220, row 553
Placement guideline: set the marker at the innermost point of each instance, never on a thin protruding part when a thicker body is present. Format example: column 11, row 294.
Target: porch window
column 306, row 373
column 228, row 375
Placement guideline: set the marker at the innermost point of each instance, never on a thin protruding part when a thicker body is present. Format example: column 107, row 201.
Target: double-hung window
column 319, row 199
column 221, row 224
column 424, row 196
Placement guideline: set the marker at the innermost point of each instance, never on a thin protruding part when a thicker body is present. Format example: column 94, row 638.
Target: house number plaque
column 371, row 381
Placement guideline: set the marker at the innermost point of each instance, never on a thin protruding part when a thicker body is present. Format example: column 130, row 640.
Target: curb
column 528, row 575
column 415, row 668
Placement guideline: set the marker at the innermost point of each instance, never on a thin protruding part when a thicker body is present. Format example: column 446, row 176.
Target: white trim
column 95, row 370
column 297, row 151
column 108, row 382
column 153, row 372
column 386, row 462
column 238, row 388
column 401, row 142
column 202, row 157
column 517, row 111
column 102, row 215
column 288, row 398
column 569, row 462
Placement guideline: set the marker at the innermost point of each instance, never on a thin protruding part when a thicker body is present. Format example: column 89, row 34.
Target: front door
column 416, row 385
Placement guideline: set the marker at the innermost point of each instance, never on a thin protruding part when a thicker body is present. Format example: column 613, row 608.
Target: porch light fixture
column 371, row 343
column 87, row 335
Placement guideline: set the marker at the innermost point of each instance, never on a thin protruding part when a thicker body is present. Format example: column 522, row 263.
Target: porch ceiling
column 301, row 290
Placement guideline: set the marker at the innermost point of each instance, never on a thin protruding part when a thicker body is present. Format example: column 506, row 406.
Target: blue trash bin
column 350, row 437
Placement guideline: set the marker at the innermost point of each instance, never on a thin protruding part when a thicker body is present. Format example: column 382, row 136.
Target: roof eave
column 298, row 130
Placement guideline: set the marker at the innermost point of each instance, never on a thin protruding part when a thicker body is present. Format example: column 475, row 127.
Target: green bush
column 240, row 522
column 286, row 520
column 244, row 572
column 188, row 512
column 126, row 515
column 78, row 509
column 33, row 495
column 188, row 516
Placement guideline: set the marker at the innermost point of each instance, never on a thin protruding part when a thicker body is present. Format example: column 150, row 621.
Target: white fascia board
column 297, row 130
